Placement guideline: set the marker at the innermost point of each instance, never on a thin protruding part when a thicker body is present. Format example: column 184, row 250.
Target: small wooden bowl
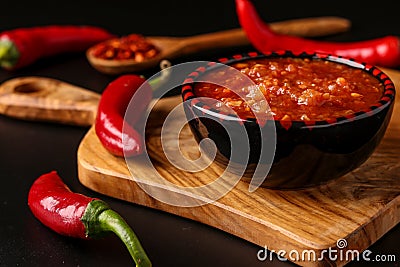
column 306, row 154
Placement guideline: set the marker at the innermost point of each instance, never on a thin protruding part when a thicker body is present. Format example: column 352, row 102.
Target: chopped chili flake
column 296, row 89
column 133, row 46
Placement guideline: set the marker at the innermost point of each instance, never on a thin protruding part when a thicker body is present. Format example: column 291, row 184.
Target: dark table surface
column 29, row 149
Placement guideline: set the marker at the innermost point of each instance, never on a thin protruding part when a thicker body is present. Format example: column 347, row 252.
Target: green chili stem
column 9, row 54
column 99, row 219
column 163, row 76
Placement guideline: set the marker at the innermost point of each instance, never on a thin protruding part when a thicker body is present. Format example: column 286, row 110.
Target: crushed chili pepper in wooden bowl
column 111, row 56
column 133, row 46
column 328, row 114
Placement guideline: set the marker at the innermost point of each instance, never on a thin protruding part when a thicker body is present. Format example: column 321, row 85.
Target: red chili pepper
column 23, row 46
column 111, row 111
column 383, row 51
column 76, row 215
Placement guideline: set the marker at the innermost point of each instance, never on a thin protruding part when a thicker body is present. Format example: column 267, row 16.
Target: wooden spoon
column 45, row 99
column 172, row 47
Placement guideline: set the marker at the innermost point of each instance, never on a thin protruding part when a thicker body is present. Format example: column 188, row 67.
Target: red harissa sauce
column 296, row 89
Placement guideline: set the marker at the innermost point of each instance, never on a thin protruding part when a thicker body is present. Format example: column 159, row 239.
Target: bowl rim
column 385, row 101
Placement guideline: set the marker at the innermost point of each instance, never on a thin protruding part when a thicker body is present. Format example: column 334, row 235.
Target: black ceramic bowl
column 305, row 154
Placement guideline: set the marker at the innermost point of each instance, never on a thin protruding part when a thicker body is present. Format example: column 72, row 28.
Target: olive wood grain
column 172, row 47
column 46, row 99
column 359, row 207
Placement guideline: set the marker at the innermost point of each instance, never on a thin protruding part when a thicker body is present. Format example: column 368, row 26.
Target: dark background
column 29, row 149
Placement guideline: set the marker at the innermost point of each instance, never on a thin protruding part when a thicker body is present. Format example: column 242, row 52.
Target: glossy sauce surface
column 295, row 89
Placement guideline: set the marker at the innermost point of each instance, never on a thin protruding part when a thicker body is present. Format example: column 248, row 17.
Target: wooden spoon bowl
column 169, row 48
column 172, row 47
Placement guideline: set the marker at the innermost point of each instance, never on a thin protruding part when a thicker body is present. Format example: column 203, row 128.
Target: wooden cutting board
column 358, row 208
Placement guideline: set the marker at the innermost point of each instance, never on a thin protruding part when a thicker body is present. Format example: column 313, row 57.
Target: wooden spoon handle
column 306, row 27
column 312, row 27
column 44, row 99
